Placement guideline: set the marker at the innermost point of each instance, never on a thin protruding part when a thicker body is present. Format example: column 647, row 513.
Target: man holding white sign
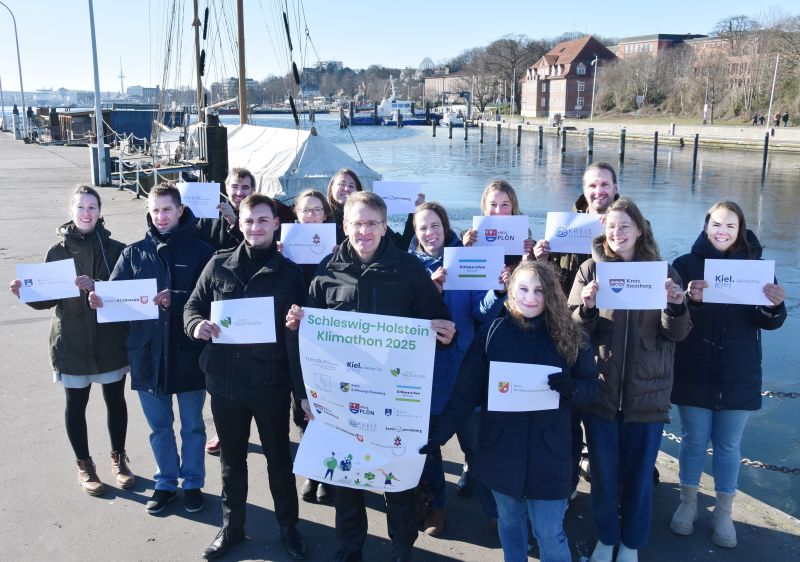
column 223, row 232
column 163, row 360
column 368, row 274
column 251, row 380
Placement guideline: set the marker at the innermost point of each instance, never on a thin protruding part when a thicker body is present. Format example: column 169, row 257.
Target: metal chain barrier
column 777, row 394
column 745, row 461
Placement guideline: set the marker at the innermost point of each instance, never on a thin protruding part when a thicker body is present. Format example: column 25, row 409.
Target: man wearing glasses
column 368, row 274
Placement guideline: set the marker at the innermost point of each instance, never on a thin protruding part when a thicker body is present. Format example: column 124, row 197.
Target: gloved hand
column 429, row 448
column 562, row 383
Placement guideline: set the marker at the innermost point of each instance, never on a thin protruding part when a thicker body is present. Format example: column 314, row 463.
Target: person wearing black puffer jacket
column 164, row 361
column 718, row 369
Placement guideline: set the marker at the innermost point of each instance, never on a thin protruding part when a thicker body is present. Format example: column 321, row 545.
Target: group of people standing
column 619, row 369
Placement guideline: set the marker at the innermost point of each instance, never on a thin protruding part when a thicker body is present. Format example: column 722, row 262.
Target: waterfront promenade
column 45, row 516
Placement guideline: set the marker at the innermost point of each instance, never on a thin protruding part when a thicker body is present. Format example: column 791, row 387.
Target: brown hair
column 566, row 335
column 740, row 244
column 601, row 166
column 166, row 189
column 369, row 199
column 85, row 190
column 240, row 173
column 646, row 248
column 326, row 208
column 255, row 199
column 505, row 187
column 334, row 204
column 439, row 210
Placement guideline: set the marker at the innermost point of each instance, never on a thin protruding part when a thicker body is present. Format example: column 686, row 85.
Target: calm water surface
column 454, row 173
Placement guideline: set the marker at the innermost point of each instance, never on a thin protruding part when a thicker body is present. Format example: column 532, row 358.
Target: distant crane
column 121, row 77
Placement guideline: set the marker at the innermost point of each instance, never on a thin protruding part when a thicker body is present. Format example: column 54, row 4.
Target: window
column 544, row 87
column 581, row 69
column 544, row 102
column 579, row 103
column 581, row 85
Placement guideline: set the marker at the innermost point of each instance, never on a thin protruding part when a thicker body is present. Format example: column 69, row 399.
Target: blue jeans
column 190, row 466
column 724, row 429
column 547, row 521
column 621, row 457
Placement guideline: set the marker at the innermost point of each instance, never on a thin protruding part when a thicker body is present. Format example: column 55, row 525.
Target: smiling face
column 164, row 213
column 599, row 190
column 310, row 210
column 364, row 227
column 258, row 225
column 343, row 186
column 430, row 232
column 237, row 189
column 527, row 294
column 722, row 229
column 498, row 203
column 621, row 234
column 85, row 212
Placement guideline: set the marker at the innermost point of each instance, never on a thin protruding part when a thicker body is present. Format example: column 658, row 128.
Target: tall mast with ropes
column 242, row 74
column 196, row 24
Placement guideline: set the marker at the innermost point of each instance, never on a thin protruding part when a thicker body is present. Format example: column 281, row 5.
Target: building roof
column 568, row 52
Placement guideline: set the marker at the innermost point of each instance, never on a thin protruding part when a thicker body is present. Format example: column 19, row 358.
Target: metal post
column 242, row 72
column 591, row 141
column 594, row 82
column 766, row 150
column 694, row 152
column 19, row 66
column 519, row 135
column 622, row 144
column 655, row 148
column 98, row 113
column 481, row 132
column 541, row 137
column 498, row 133
column 771, row 95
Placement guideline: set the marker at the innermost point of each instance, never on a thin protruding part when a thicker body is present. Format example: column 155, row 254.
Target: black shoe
column 226, row 539
column 308, row 491
column 345, row 557
column 159, row 501
column 193, row 500
column 464, row 485
column 325, row 493
column 293, row 542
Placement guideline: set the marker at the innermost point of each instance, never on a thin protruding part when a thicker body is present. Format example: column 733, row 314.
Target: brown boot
column 119, row 468
column 434, row 523
column 87, row 476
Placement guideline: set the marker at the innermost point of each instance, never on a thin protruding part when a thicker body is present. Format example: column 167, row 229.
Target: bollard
column 672, row 129
column 433, row 124
column 591, row 140
column 498, row 133
column 465, row 130
column 563, row 140
column 481, row 132
column 655, row 148
column 622, row 144
column 541, row 137
column 694, row 152
column 519, row 135
column 766, row 150
column 450, row 130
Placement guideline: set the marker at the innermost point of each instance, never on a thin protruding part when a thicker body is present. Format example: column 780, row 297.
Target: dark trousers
column 232, row 419
column 577, row 446
column 116, row 417
column 351, row 520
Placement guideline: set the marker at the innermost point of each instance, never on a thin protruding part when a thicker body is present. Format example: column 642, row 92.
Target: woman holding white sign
column 718, row 370
column 634, row 350
column 433, row 233
column 524, row 456
column 82, row 351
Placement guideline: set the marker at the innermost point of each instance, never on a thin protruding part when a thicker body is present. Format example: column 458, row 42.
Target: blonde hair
column 505, row 187
column 566, row 335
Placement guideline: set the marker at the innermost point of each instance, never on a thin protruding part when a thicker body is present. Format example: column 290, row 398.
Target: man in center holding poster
column 368, row 274
column 251, row 363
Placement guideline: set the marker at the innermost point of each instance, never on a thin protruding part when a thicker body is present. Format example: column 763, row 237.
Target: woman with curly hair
column 524, row 457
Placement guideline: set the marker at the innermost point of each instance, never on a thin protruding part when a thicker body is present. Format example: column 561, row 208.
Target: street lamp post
column 594, row 84
column 19, row 65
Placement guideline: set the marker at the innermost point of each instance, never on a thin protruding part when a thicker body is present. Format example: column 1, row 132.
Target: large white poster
column 738, row 281
column 508, row 231
column 368, row 379
column 47, row 281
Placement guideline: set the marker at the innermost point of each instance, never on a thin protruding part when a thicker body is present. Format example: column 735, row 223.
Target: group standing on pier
column 619, row 369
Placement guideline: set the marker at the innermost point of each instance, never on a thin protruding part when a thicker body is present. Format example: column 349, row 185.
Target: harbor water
column 454, row 172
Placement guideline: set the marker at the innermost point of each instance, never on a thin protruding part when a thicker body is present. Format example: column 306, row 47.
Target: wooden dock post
column 655, row 148
column 622, row 144
column 450, row 130
column 541, row 137
column 563, row 140
column 591, row 141
column 466, row 128
column 519, row 135
column 481, row 132
column 433, row 124
column 498, row 133
column 766, row 151
column 694, row 152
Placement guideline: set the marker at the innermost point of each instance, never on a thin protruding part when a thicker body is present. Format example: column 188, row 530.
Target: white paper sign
column 738, row 281
column 632, row 285
column 399, row 196
column 307, row 243
column 509, row 231
column 520, row 387
column 244, row 320
column 47, row 281
column 201, row 198
column 368, row 379
column 473, row 269
column 126, row 300
column 572, row 233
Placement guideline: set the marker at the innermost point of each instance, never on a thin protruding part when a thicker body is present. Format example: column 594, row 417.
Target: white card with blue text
column 47, row 281
column 477, row 268
column 202, row 198
column 632, row 285
column 400, row 196
column 572, row 233
column 738, row 281
column 508, row 231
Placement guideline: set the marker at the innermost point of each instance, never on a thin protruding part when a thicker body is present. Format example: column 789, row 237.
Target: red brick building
column 561, row 81
column 650, row 44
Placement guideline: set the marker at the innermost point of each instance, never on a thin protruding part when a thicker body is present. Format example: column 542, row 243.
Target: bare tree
column 509, row 57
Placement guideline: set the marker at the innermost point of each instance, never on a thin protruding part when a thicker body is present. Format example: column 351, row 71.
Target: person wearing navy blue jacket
column 432, row 234
column 718, row 370
column 164, row 361
column 524, row 457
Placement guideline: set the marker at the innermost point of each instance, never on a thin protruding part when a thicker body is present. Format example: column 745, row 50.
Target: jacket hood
column 598, row 251
column 703, row 248
column 69, row 229
column 186, row 226
column 451, row 241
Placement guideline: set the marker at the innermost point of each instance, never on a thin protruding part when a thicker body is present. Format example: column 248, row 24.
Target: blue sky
column 56, row 50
